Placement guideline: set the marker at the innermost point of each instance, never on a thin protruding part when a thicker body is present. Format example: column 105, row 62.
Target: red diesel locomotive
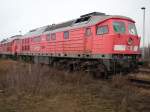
column 94, row 42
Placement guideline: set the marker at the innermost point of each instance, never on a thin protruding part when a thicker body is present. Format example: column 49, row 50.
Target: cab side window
column 102, row 30
column 53, row 36
column 66, row 34
column 48, row 36
column 88, row 32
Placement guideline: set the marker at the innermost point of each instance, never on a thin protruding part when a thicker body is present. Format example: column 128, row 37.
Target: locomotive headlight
column 130, row 41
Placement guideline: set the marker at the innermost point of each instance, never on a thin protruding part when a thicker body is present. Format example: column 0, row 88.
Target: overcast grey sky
column 24, row 15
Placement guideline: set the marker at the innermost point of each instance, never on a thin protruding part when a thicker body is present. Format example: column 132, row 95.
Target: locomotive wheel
column 100, row 72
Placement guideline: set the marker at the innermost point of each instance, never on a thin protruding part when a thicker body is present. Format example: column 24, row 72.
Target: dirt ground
column 36, row 88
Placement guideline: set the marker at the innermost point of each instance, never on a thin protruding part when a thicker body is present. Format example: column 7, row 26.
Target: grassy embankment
column 35, row 88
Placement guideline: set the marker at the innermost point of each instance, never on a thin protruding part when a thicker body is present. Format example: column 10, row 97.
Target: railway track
column 144, row 70
column 140, row 83
column 141, row 79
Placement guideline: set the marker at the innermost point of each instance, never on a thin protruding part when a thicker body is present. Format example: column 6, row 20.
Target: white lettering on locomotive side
column 119, row 47
column 125, row 47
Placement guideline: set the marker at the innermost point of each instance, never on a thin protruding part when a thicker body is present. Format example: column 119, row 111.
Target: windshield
column 119, row 27
column 132, row 29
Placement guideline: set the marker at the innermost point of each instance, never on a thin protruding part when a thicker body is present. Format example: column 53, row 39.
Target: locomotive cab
column 117, row 38
column 126, row 43
column 125, row 35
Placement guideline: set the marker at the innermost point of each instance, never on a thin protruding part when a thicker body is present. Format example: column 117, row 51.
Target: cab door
column 88, row 40
column 14, row 47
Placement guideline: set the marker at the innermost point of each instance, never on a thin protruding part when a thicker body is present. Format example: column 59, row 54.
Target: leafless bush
column 37, row 79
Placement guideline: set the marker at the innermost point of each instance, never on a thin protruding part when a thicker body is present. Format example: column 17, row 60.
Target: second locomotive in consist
column 95, row 42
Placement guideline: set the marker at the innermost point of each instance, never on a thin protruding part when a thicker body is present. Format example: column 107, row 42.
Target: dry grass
column 119, row 81
column 36, row 88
